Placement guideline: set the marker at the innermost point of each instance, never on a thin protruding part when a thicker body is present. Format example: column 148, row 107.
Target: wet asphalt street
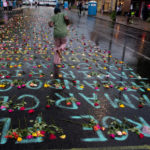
column 98, row 97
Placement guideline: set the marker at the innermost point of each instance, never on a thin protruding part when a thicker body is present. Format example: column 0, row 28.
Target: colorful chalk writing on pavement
column 90, row 92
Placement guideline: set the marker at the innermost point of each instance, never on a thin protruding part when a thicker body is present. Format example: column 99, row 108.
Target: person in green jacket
column 60, row 33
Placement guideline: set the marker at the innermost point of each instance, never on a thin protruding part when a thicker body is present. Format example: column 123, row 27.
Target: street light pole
column 116, row 9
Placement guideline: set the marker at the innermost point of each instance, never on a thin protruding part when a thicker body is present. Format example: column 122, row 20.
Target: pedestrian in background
column 5, row 5
column 36, row 3
column 10, row 5
column 80, row 6
column 60, row 22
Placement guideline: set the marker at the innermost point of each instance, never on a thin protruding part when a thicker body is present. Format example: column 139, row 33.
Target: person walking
column 10, row 5
column 59, row 21
column 80, row 6
column 36, row 3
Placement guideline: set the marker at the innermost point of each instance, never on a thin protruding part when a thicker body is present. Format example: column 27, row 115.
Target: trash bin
column 92, row 8
column 65, row 5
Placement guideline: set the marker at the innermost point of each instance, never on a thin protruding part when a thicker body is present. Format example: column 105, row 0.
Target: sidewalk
column 138, row 23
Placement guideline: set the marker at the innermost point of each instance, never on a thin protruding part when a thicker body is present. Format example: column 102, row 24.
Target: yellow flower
column 148, row 89
column 38, row 132
column 63, row 136
column 39, row 66
column 106, row 86
column 60, row 75
column 10, row 66
column 19, row 65
column 29, row 48
column 82, row 86
column 122, row 105
column 72, row 66
column 121, row 88
column 105, row 68
column 3, row 85
column 34, row 134
column 124, row 133
column 121, row 62
column 45, row 85
column 19, row 139
column 58, row 66
column 110, row 56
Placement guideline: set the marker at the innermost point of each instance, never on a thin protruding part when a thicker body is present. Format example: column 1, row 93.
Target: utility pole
column 116, row 9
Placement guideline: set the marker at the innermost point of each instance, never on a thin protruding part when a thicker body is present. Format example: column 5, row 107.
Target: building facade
column 107, row 6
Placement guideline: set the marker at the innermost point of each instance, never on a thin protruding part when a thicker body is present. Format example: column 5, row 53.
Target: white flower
column 119, row 133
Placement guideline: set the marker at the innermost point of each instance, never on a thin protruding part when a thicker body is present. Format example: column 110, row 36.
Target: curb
column 122, row 24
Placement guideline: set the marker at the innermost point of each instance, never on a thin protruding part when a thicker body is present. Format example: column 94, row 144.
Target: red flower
column 42, row 132
column 48, row 106
column 95, row 128
column 141, row 135
column 63, row 87
column 31, row 111
column 30, row 75
column 22, row 108
column 96, row 104
column 68, row 103
column 16, row 136
column 140, row 106
column 52, row 137
column 7, row 136
column 7, row 77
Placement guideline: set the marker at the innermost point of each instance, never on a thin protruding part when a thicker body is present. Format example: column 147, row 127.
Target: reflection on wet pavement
column 137, row 44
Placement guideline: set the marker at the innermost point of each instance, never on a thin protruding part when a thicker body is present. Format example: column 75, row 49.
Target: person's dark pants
column 10, row 8
column 80, row 10
column 5, row 8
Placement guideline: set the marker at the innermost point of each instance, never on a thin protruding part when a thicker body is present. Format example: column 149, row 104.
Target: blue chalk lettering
column 35, row 140
column 91, row 85
column 7, row 88
column 30, row 96
column 104, row 123
column 101, row 137
column 5, row 99
column 5, row 129
column 68, row 75
column 62, row 99
column 90, row 100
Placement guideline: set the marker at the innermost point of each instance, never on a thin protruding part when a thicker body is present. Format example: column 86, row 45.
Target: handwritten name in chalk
column 101, row 136
column 6, row 102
